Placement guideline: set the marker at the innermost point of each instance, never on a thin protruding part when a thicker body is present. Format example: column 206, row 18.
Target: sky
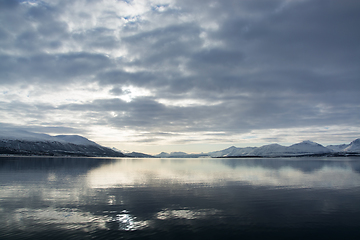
column 180, row 75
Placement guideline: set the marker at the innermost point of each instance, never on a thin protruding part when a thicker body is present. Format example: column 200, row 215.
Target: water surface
column 89, row 198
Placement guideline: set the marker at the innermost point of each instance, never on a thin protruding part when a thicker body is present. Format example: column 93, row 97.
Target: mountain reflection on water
column 89, row 198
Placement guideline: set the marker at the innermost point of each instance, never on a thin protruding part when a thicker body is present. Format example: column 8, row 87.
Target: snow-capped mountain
column 9, row 134
column 232, row 151
column 223, row 153
column 16, row 134
column 29, row 143
column 337, row 148
column 307, row 147
column 299, row 149
column 75, row 139
column 303, row 148
column 269, row 150
column 354, row 146
column 132, row 154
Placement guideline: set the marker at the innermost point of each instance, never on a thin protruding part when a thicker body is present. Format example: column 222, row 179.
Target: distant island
column 25, row 143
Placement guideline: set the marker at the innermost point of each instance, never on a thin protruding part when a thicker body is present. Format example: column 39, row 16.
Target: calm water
column 74, row 198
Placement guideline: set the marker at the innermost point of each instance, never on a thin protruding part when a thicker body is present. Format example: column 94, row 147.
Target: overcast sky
column 167, row 75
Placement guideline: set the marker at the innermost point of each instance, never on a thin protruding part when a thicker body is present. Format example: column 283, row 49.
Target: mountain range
column 304, row 148
column 20, row 142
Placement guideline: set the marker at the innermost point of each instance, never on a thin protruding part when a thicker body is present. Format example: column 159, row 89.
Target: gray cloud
column 51, row 69
column 145, row 114
column 246, row 65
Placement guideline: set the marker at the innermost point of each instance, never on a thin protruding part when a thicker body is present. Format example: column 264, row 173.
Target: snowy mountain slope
column 75, row 139
column 337, row 148
column 276, row 150
column 307, row 147
column 15, row 134
column 354, row 146
column 241, row 151
column 28, row 143
column 10, row 134
column 232, row 151
column 269, row 150
column 222, row 153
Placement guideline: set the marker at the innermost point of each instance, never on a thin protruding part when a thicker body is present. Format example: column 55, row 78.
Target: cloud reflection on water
column 162, row 195
column 268, row 172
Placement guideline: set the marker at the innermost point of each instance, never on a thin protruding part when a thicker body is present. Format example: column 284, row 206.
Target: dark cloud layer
column 243, row 65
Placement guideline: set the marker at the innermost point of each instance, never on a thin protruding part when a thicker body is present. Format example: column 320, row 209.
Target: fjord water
column 90, row 198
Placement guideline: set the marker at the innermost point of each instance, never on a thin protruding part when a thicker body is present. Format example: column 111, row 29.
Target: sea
column 194, row 198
